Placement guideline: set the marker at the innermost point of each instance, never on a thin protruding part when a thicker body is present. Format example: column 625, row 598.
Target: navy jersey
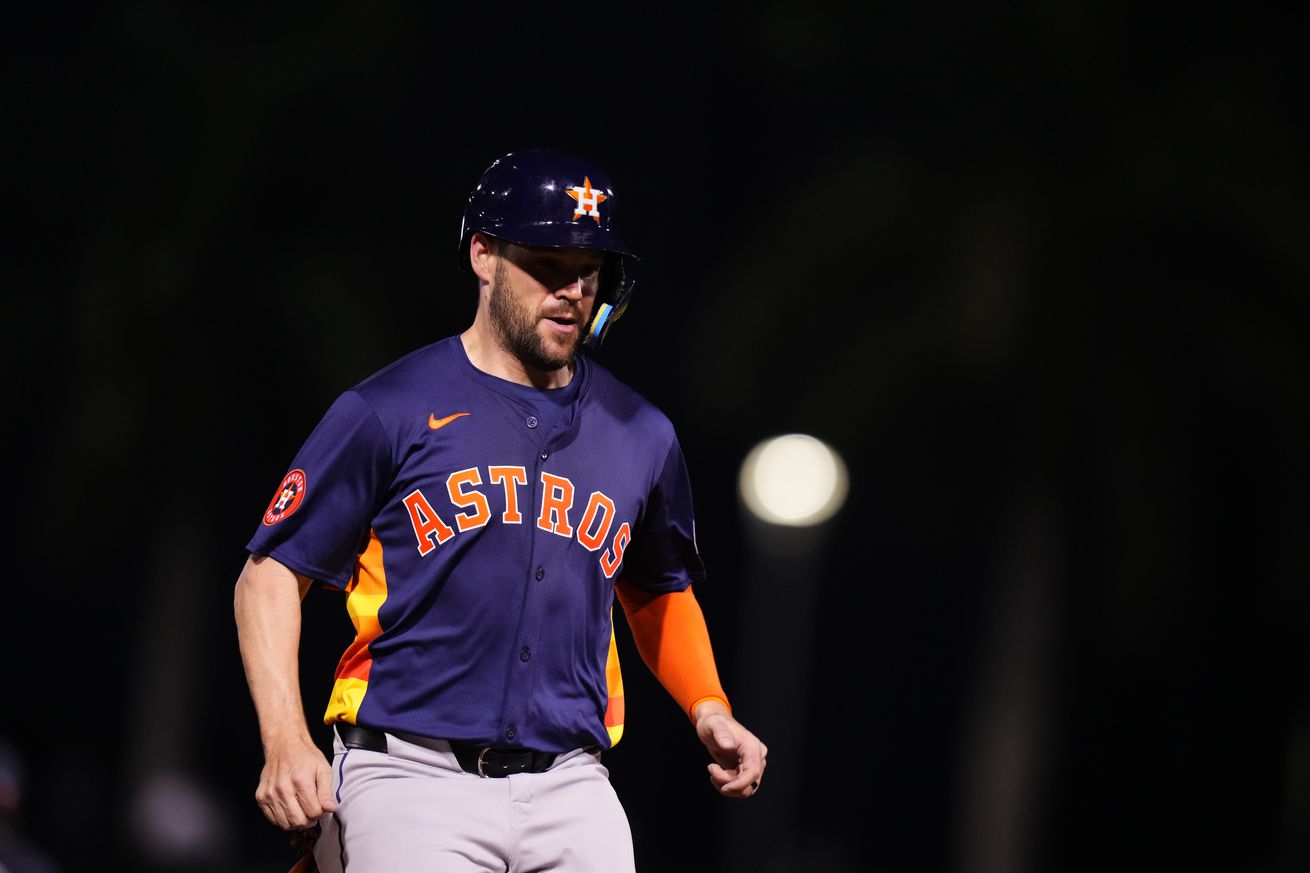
column 478, row 527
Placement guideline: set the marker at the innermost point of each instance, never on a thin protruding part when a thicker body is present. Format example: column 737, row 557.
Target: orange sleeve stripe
column 671, row 636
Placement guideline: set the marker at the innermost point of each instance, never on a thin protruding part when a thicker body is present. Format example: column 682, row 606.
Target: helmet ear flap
column 616, row 283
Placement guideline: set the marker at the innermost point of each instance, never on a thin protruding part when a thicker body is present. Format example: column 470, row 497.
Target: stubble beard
column 517, row 329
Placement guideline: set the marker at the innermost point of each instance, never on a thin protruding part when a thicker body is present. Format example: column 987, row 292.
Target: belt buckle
column 482, row 760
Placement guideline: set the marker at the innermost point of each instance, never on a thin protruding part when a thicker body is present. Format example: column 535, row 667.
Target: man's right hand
column 295, row 788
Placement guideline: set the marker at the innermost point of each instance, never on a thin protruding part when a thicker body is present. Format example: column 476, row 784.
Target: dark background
column 1039, row 273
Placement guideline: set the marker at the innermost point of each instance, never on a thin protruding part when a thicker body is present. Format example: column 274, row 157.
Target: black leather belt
column 479, row 760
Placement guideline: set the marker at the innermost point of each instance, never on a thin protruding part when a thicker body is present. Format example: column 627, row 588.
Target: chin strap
column 608, row 313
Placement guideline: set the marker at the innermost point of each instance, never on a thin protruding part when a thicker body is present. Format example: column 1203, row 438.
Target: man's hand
column 295, row 788
column 739, row 756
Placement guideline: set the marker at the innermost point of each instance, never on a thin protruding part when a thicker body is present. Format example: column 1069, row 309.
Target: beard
column 517, row 329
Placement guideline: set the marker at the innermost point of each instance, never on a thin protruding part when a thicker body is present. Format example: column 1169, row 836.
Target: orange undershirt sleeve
column 671, row 636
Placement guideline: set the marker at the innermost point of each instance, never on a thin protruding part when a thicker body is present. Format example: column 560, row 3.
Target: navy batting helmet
column 547, row 197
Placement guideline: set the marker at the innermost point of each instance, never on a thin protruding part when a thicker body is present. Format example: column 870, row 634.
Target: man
column 482, row 501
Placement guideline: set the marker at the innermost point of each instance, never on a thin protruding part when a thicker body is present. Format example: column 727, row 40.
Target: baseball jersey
column 478, row 527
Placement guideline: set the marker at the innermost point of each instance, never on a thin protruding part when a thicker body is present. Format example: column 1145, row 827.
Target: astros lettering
column 553, row 515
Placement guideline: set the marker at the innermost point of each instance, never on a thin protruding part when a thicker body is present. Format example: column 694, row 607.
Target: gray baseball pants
column 413, row 809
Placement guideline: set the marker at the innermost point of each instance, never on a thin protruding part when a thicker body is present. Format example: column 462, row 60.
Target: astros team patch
column 288, row 498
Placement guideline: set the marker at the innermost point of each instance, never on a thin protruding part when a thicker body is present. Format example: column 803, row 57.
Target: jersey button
column 511, row 732
column 532, row 421
column 543, row 455
column 525, row 653
column 541, row 573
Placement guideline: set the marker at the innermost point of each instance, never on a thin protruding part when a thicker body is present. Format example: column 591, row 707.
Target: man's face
column 541, row 301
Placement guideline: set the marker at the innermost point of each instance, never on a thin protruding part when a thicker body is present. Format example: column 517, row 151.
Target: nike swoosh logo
column 438, row 423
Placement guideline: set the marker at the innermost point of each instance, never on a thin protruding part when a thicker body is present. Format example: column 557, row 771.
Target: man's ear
column 482, row 255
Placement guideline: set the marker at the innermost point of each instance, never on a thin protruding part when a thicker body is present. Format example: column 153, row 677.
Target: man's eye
column 589, row 270
column 545, row 268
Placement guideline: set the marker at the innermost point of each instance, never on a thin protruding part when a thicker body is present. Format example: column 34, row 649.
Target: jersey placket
column 520, row 687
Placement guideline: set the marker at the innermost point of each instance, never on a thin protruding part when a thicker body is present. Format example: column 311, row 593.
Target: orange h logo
column 589, row 200
column 285, row 498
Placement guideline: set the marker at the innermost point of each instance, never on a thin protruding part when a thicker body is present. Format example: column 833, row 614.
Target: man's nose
column 571, row 289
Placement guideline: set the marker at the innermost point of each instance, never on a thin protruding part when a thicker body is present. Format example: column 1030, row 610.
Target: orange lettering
column 590, row 538
column 507, row 476
column 556, row 501
column 474, row 500
column 426, row 522
column 609, row 562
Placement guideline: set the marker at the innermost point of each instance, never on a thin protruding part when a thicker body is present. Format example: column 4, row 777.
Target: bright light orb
column 795, row 480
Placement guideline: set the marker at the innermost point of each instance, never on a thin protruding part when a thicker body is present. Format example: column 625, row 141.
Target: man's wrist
column 707, row 706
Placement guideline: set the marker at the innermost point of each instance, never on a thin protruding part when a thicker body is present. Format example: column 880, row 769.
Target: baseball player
column 482, row 502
